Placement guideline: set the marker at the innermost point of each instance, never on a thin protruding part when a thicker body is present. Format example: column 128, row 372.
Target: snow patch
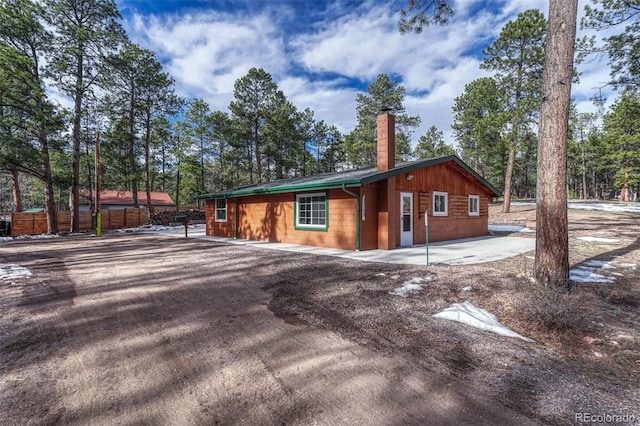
column 469, row 314
column 414, row 285
column 2, row 239
column 608, row 207
column 584, row 274
column 631, row 266
column 593, row 271
column 37, row 237
column 11, row 271
column 506, row 228
column 149, row 228
column 599, row 240
column 605, row 207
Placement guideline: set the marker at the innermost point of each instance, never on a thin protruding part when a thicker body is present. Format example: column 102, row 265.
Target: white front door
column 406, row 219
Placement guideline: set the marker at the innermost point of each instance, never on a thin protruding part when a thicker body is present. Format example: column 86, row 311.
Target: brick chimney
column 386, row 141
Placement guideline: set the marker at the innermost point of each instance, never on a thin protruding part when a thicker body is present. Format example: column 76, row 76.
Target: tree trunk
column 552, row 238
column 584, row 175
column 178, row 187
column 147, row 159
column 89, row 177
column 624, row 192
column 508, row 177
column 15, row 185
column 163, row 179
column 132, row 149
column 256, row 138
column 75, row 167
column 47, row 181
column 202, row 185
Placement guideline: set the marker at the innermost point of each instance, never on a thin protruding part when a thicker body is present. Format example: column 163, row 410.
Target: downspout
column 357, row 196
column 235, row 221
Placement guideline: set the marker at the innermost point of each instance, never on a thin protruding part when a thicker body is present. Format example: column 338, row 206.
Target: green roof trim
column 337, row 180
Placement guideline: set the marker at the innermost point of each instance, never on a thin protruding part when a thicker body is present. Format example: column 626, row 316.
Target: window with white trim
column 221, row 210
column 474, row 205
column 440, row 203
column 311, row 211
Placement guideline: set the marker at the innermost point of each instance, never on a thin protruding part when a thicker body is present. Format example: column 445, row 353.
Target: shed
column 115, row 200
column 382, row 207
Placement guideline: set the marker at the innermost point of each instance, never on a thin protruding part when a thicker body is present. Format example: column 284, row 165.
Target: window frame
column 446, row 203
column 477, row 203
column 218, row 209
column 296, row 212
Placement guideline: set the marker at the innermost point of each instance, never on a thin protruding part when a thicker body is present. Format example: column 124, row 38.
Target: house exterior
column 383, row 207
column 117, row 200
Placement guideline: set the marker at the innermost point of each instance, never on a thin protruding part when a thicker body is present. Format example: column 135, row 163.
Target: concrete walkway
column 456, row 252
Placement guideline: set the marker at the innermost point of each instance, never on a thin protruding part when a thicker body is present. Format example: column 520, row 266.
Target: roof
column 347, row 179
column 113, row 197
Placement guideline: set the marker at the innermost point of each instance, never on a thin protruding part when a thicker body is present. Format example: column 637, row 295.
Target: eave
column 368, row 176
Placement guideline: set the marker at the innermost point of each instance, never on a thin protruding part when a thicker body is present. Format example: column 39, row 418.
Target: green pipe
column 357, row 196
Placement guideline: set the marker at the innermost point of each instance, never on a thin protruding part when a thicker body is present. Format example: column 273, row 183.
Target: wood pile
column 166, row 218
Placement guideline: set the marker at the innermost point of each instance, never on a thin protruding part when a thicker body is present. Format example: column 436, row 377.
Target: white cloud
column 207, row 51
column 330, row 100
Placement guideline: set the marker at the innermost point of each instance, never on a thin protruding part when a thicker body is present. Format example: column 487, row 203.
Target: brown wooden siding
column 457, row 224
column 445, row 177
column 369, row 226
column 220, row 229
column 271, row 218
column 458, row 184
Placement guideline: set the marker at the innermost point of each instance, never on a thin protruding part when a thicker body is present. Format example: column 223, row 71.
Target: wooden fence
column 36, row 223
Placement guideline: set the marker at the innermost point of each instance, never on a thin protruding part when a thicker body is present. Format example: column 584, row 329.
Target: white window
column 363, row 211
column 221, row 210
column 311, row 211
column 474, row 205
column 440, row 203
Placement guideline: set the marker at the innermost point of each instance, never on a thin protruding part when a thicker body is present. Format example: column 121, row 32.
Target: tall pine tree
column 360, row 144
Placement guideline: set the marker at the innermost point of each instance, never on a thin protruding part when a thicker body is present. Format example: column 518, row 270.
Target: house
column 376, row 208
column 114, row 200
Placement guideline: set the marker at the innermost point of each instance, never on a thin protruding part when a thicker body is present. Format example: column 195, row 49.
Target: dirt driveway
column 144, row 329
column 151, row 329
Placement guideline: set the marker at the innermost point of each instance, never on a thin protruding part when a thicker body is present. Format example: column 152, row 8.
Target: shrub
column 551, row 307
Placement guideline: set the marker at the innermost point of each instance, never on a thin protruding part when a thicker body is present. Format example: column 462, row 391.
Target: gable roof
column 113, row 197
column 346, row 179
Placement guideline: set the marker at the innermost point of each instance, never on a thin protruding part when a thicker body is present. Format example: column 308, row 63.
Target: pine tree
column 432, row 145
column 360, row 144
column 26, row 113
column 254, row 95
column 552, row 230
column 623, row 49
column 86, row 31
column 622, row 136
column 478, row 124
column 517, row 58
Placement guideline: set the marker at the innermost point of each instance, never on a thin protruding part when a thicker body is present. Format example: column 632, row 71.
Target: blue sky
column 322, row 53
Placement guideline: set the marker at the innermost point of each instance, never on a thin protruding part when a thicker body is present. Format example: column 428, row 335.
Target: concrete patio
column 456, row 252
